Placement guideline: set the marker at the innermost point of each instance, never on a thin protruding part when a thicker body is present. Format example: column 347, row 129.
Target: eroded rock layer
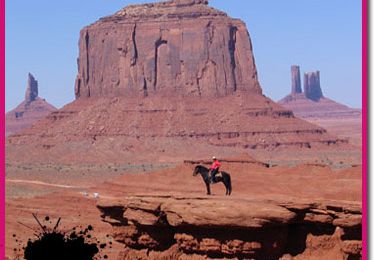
column 162, row 129
column 167, row 48
column 152, row 227
column 336, row 118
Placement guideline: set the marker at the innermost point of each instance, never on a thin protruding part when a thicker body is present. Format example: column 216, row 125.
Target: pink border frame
column 364, row 129
column 2, row 127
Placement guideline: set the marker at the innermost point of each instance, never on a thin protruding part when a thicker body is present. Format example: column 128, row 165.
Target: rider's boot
column 212, row 179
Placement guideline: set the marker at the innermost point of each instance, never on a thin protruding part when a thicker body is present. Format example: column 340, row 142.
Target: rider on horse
column 214, row 169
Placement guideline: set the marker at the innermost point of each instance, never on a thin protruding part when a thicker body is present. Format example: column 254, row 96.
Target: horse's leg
column 226, row 187
column 208, row 188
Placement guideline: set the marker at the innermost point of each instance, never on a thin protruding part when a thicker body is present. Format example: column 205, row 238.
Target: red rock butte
column 176, row 47
column 170, row 81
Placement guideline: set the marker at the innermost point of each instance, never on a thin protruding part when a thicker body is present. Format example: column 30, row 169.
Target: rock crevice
column 134, row 49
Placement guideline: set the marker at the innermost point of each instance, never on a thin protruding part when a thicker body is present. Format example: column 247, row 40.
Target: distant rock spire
column 296, row 80
column 190, row 2
column 312, row 87
column 31, row 89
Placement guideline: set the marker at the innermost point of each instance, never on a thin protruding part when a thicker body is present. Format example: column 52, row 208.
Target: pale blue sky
column 42, row 38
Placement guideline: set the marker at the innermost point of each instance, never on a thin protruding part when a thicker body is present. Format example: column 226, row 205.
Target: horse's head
column 196, row 170
column 199, row 169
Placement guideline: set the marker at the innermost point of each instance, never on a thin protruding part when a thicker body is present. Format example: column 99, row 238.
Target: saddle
column 218, row 175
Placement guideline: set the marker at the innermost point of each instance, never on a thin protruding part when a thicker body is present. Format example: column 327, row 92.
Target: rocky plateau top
column 166, row 10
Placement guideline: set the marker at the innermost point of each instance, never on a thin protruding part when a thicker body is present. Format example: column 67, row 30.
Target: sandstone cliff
column 174, row 47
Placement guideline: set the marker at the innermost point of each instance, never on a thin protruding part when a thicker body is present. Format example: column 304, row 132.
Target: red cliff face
column 176, row 47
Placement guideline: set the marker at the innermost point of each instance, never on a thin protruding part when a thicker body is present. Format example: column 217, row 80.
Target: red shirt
column 215, row 165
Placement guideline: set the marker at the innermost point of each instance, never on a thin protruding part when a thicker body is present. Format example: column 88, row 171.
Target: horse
column 224, row 178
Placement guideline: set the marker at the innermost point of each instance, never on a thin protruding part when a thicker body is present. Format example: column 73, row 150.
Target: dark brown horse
column 224, row 178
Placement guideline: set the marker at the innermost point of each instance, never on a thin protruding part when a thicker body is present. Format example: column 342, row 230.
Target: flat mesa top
column 166, row 10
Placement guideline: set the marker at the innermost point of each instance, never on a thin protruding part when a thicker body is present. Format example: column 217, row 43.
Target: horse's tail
column 230, row 184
